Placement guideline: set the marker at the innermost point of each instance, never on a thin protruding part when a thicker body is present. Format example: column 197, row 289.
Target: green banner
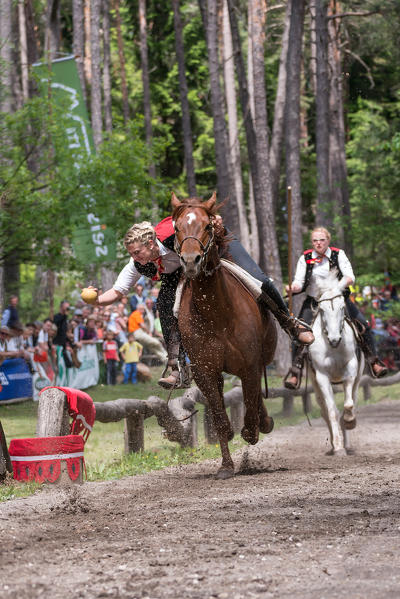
column 93, row 241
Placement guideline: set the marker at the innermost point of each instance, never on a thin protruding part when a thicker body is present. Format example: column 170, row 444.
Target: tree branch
column 354, row 14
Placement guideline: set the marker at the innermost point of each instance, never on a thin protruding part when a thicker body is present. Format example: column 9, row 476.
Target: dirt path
column 305, row 525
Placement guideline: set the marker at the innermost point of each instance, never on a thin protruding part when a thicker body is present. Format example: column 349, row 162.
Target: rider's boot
column 293, row 378
column 298, row 330
column 376, row 366
column 179, row 376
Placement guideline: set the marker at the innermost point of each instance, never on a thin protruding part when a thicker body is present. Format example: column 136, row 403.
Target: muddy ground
column 302, row 525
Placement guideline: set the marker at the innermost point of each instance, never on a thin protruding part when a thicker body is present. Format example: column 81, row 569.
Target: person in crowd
column 152, row 254
column 111, row 358
column 317, row 262
column 137, row 325
column 137, row 298
column 79, row 329
column 60, row 338
column 7, row 350
column 10, row 314
column 42, row 347
column 90, row 332
column 131, row 352
column 17, row 342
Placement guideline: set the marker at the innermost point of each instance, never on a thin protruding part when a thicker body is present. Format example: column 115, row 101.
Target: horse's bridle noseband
column 329, row 299
column 205, row 248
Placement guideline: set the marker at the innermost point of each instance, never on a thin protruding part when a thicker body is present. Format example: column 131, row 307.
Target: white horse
column 335, row 358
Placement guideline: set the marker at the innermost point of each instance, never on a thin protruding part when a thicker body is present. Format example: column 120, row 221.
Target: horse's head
column 194, row 232
column 331, row 307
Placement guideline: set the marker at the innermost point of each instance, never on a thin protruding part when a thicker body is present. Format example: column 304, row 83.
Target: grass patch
column 104, row 451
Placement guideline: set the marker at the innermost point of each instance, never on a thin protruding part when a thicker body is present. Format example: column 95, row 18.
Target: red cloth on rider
column 81, row 409
column 164, row 229
column 39, row 458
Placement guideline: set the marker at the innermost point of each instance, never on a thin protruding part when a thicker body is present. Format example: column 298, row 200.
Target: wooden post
column 134, row 433
column 237, row 416
column 209, row 430
column 287, row 404
column 5, row 462
column 290, row 273
column 53, row 417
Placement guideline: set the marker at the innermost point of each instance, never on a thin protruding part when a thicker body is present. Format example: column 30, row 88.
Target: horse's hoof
column 249, row 436
column 336, row 452
column 350, row 451
column 224, row 473
column 266, row 425
column 349, row 424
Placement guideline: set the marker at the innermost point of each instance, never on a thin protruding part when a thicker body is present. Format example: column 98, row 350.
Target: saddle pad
column 252, row 284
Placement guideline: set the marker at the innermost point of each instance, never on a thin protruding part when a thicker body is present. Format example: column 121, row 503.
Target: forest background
column 245, row 97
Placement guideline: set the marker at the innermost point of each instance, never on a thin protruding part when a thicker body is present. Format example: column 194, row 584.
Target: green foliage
column 374, row 177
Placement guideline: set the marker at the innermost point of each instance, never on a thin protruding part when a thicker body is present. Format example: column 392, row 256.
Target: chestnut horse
column 221, row 325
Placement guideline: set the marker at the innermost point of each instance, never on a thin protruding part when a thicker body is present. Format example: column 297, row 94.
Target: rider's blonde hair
column 140, row 233
column 321, row 230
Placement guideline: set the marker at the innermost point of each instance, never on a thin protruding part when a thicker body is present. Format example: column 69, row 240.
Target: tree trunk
column 78, row 41
column 53, row 28
column 183, row 91
column 270, row 261
column 224, row 182
column 337, row 150
column 233, row 129
column 275, row 153
column 255, row 242
column 95, row 95
column 292, row 125
column 146, row 89
column 88, row 57
column 107, row 67
column 23, row 47
column 121, row 54
column 324, row 215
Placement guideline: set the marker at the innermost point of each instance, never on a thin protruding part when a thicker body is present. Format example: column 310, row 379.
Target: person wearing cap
column 6, row 348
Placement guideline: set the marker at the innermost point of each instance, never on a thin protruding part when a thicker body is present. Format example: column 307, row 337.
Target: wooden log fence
column 178, row 417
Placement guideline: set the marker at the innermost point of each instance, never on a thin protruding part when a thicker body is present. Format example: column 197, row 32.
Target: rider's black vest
column 333, row 263
column 150, row 269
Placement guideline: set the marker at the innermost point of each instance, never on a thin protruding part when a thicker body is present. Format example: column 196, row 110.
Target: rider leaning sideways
column 317, row 262
column 152, row 251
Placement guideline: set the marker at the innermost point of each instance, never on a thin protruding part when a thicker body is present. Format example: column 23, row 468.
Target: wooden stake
column 290, row 273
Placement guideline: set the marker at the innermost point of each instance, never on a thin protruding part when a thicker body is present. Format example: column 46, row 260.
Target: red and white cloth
column 39, row 459
column 81, row 409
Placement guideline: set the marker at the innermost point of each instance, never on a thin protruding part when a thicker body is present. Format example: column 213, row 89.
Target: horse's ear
column 174, row 201
column 209, row 204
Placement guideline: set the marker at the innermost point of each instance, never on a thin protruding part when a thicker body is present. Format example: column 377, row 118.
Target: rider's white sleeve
column 127, row 278
column 300, row 274
column 345, row 266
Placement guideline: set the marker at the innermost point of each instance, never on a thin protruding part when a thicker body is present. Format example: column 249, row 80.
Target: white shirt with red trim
column 129, row 275
column 321, row 269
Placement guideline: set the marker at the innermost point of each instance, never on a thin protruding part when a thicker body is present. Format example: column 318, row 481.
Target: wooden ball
column 89, row 296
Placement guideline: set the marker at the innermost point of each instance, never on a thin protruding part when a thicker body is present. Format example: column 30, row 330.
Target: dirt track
column 305, row 525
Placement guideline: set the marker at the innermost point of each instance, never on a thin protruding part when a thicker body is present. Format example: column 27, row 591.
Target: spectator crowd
column 130, row 330
column 123, row 333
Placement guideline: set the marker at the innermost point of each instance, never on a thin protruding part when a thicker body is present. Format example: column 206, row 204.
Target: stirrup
column 297, row 372
column 371, row 369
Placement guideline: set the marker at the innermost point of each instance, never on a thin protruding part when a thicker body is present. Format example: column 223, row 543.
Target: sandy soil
column 294, row 523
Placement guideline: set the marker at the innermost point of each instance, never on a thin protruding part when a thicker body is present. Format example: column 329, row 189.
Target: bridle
column 205, row 248
column 329, row 299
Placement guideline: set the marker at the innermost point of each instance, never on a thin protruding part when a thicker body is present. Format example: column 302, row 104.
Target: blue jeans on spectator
column 130, row 372
column 111, row 371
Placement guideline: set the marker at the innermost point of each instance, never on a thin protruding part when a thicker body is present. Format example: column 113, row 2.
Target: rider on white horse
column 317, row 263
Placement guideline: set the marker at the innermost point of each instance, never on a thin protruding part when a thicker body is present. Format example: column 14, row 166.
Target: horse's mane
column 329, row 283
column 222, row 237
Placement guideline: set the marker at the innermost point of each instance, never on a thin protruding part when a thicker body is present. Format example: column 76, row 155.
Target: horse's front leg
column 211, row 385
column 330, row 413
column 252, row 396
